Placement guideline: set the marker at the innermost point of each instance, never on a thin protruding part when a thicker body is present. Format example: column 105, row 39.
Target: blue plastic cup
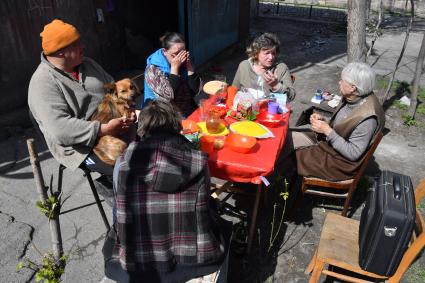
column 273, row 107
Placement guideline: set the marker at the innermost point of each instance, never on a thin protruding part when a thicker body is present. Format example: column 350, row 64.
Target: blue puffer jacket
column 158, row 59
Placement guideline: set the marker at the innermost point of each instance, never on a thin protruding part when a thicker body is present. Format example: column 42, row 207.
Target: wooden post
column 55, row 230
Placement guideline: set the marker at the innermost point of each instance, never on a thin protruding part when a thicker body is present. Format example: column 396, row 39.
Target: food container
column 203, row 128
column 240, row 143
column 252, row 129
column 189, row 126
column 210, row 143
column 269, row 120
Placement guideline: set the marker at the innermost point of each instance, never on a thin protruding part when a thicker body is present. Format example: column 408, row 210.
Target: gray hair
column 361, row 75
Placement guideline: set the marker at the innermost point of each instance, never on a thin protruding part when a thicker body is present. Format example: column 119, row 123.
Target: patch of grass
column 410, row 122
column 421, row 109
column 398, row 86
column 399, row 105
column 421, row 94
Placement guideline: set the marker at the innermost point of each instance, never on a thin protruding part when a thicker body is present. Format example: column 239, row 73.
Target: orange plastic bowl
column 269, row 120
column 240, row 143
column 189, row 127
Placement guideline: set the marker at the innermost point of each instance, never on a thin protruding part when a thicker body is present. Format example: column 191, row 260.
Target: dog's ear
column 110, row 88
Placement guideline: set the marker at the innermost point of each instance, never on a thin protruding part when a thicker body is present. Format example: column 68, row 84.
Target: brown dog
column 118, row 102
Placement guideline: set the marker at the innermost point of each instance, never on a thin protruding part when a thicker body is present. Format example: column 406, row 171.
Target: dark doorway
column 144, row 22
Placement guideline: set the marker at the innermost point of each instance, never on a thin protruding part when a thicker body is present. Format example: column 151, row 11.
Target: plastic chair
column 86, row 173
column 338, row 247
column 347, row 185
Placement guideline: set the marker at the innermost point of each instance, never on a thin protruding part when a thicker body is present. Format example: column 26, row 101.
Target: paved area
column 315, row 53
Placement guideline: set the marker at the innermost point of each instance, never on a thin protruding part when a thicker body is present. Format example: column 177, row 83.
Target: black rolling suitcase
column 386, row 223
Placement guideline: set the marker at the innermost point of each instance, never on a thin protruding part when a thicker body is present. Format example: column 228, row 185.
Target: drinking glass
column 203, row 109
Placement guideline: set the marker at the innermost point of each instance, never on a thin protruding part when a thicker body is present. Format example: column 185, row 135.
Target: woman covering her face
column 170, row 76
column 262, row 70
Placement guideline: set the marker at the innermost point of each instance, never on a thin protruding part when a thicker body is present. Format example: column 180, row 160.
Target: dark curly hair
column 158, row 116
column 263, row 42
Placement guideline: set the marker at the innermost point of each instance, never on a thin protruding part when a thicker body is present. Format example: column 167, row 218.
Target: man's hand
column 318, row 125
column 117, row 126
column 177, row 61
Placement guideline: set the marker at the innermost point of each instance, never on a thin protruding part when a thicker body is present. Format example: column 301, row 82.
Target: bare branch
column 406, row 39
column 416, row 80
column 376, row 32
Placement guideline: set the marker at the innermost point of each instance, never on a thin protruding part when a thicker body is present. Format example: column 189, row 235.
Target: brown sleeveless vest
column 322, row 161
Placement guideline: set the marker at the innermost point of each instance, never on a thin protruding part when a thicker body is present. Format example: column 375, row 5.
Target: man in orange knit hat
column 64, row 92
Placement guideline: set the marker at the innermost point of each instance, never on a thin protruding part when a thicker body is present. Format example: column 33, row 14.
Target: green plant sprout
column 51, row 207
column 284, row 195
column 49, row 270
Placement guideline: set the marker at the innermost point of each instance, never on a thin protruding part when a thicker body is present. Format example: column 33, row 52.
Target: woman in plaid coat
column 166, row 230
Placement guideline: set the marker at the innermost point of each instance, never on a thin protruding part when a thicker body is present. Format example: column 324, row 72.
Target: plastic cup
column 273, row 107
column 231, row 93
column 204, row 105
column 207, row 144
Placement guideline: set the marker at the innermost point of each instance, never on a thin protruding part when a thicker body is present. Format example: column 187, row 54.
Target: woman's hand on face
column 189, row 66
column 178, row 60
column 270, row 78
column 320, row 126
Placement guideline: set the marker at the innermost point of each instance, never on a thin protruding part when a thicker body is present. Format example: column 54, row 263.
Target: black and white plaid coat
column 162, row 188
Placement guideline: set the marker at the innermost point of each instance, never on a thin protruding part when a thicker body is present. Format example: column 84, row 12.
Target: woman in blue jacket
column 170, row 76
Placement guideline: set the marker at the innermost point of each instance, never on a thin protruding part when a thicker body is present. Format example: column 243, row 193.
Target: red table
column 248, row 168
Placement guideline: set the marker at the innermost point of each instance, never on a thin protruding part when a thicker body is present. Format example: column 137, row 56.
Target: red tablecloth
column 247, row 168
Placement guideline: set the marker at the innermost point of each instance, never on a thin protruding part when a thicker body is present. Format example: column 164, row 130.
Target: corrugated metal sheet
column 213, row 25
column 22, row 21
column 210, row 26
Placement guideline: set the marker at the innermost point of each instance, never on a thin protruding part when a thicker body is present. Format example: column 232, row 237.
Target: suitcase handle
column 396, row 184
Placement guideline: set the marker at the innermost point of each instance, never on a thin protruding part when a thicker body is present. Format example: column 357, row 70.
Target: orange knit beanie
column 57, row 35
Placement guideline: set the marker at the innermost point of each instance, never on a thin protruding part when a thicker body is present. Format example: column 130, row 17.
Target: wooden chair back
column 348, row 185
column 368, row 156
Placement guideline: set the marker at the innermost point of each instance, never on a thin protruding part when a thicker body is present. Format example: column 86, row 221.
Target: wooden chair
column 347, row 185
column 338, row 247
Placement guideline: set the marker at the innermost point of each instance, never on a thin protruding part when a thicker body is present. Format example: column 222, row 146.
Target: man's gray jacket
column 62, row 106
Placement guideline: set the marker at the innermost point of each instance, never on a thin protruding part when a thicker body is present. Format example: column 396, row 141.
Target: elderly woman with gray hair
column 346, row 138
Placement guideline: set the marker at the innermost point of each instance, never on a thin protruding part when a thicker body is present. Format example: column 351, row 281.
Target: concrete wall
column 21, row 22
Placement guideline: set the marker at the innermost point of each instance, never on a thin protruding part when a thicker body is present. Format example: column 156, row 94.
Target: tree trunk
column 416, row 80
column 55, row 230
column 356, row 31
